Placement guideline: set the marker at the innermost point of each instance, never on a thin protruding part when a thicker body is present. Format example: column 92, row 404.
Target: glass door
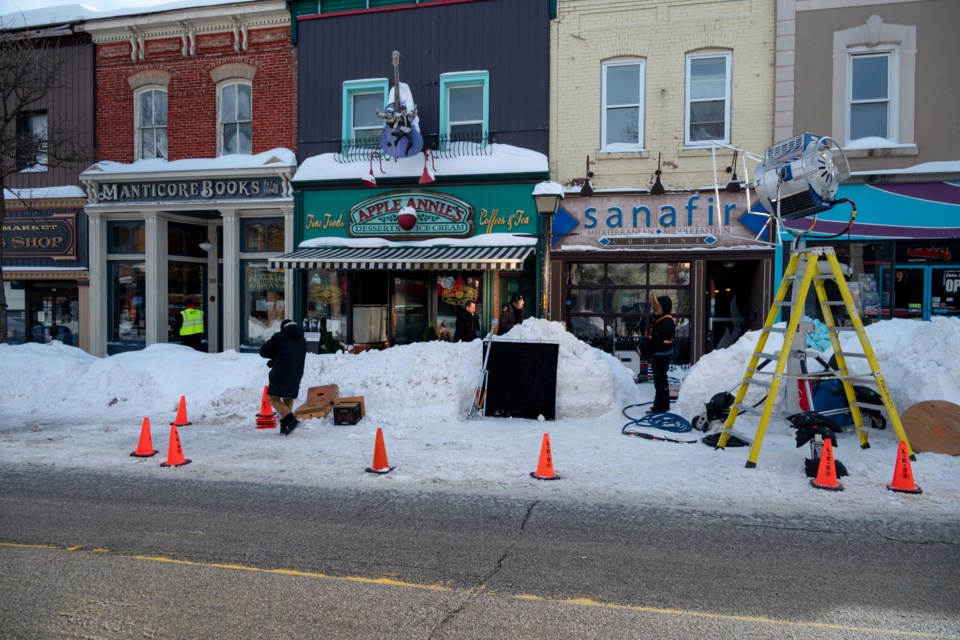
column 54, row 316
column 906, row 285
column 409, row 308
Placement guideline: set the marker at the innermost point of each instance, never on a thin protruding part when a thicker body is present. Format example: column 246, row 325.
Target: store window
column 263, row 304
column 327, row 301
column 128, row 321
column 453, row 292
column 126, row 237
column 185, row 240
column 235, row 115
column 708, row 99
column 608, row 304
column 622, row 113
column 871, row 95
column 262, row 234
column 16, row 311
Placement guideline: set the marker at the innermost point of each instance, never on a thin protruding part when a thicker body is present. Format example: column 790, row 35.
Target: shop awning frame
column 407, row 258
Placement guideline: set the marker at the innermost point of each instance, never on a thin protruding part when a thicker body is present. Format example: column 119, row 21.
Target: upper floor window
column 262, row 234
column 362, row 100
column 32, row 141
column 708, row 99
column 872, row 95
column 151, row 109
column 235, row 114
column 465, row 105
column 621, row 126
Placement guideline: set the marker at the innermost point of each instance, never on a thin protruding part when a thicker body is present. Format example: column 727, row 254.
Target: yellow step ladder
column 809, row 263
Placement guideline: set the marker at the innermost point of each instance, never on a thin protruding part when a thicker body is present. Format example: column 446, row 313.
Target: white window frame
column 877, row 36
column 354, row 88
column 639, row 105
column 727, row 98
column 892, row 99
column 138, row 126
column 223, row 86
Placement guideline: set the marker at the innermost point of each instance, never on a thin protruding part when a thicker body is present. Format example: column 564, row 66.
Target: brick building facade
column 190, row 194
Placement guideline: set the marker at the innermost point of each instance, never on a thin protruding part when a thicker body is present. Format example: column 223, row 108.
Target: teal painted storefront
column 335, row 218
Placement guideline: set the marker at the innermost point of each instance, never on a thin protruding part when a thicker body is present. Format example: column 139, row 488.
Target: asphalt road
column 96, row 556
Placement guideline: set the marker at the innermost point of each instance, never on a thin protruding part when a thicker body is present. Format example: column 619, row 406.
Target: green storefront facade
column 394, row 263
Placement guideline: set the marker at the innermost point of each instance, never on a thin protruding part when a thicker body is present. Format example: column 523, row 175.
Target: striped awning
column 411, row 258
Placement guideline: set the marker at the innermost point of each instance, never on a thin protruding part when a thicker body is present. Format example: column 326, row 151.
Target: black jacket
column 663, row 329
column 287, row 349
column 468, row 326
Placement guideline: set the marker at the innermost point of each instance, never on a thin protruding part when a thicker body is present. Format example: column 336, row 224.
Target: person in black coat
column 657, row 347
column 512, row 316
column 286, row 351
column 468, row 324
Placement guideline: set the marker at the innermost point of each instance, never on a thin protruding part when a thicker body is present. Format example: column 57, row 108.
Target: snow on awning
column 410, row 258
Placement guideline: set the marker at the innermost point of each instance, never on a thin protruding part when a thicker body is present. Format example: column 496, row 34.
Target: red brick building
column 190, row 195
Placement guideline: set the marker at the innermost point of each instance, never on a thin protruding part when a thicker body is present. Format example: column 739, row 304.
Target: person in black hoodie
column 286, row 351
column 658, row 347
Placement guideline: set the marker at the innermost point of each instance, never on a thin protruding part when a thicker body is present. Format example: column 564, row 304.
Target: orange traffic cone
column 145, row 445
column 827, row 472
column 380, row 464
column 545, row 466
column 267, row 418
column 174, row 450
column 902, row 473
column 181, row 420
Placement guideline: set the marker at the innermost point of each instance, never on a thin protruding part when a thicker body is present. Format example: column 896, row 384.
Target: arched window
column 235, row 118
column 151, row 123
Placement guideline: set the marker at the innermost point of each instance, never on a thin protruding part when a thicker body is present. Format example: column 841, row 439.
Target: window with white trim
column 362, row 101
column 621, row 120
column 871, row 94
column 708, row 99
column 151, row 109
column 235, row 116
column 465, row 105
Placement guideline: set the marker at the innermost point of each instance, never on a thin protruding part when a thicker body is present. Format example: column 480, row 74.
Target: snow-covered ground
column 62, row 407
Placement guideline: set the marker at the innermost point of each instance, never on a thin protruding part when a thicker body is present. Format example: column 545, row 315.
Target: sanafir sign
column 437, row 214
column 176, row 190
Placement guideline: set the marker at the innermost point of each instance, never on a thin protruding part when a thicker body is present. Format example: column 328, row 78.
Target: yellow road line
column 577, row 602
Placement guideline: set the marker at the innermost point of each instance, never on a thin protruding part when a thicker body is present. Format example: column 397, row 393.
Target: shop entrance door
column 728, row 302
column 409, row 307
column 920, row 292
column 53, row 314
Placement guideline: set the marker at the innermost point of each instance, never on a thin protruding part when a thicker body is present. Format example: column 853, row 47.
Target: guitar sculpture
column 401, row 135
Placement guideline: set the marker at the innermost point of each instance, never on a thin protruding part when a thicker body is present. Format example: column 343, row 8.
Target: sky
column 64, row 408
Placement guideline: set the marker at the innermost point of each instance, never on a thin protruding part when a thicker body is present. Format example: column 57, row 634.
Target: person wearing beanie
column 657, row 347
column 286, row 352
column 512, row 315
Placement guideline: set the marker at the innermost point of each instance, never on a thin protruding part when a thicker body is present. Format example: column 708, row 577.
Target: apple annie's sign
column 411, row 214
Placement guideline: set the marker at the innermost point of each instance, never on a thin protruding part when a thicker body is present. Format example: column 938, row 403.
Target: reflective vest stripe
column 192, row 322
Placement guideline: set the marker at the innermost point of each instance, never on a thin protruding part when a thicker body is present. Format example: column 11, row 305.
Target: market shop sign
column 41, row 237
column 184, row 190
column 434, row 214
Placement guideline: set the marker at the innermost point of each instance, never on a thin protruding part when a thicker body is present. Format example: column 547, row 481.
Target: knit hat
column 516, row 298
column 285, row 323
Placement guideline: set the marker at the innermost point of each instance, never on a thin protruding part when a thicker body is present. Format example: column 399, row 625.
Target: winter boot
column 293, row 424
column 285, row 423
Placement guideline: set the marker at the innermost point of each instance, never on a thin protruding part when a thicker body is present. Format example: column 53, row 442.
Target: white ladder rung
column 775, row 329
column 841, row 328
column 759, row 383
column 859, row 380
column 782, row 303
column 848, row 354
column 768, row 356
column 867, row 405
column 835, row 303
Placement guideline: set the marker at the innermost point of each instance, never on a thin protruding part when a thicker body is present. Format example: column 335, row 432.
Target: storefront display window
column 263, row 305
column 327, row 300
column 126, row 237
column 608, row 303
column 453, row 291
column 185, row 239
column 184, row 285
column 16, row 305
column 128, row 323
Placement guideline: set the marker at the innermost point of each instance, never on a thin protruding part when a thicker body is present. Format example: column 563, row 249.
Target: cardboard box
column 320, row 401
column 347, row 413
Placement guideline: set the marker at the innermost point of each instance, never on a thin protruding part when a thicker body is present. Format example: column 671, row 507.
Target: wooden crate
column 320, row 401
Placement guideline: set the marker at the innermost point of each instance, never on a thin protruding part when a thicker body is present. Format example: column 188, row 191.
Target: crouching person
column 286, row 351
